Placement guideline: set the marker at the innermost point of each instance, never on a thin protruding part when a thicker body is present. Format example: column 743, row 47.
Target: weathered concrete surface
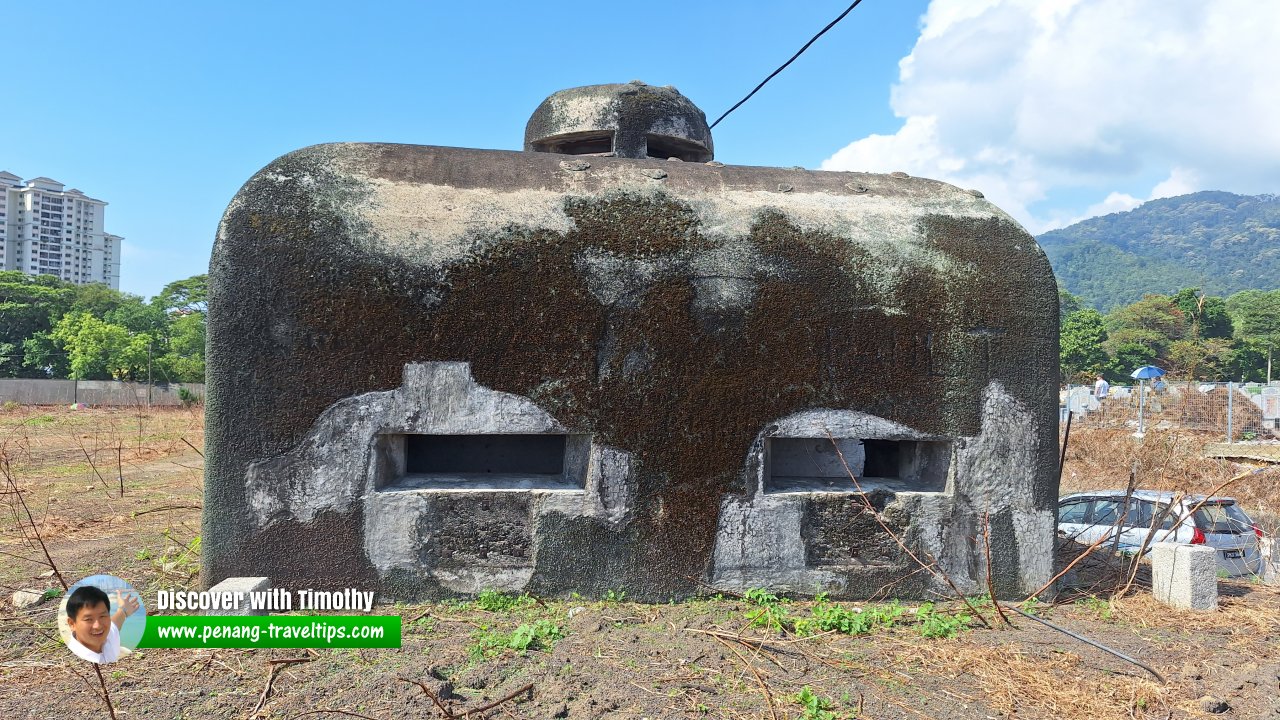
column 670, row 314
column 1264, row 451
column 631, row 120
column 1185, row 576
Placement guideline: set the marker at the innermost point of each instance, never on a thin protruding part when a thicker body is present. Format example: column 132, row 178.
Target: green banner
column 271, row 631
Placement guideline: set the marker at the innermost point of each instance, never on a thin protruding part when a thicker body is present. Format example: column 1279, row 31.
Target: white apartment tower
column 48, row 230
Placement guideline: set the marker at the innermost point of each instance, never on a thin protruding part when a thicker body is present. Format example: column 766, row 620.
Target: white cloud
column 1019, row 98
column 1180, row 182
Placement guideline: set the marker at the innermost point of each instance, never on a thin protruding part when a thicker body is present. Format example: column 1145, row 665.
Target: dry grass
column 1252, row 619
column 1027, row 683
column 71, row 467
column 1173, row 460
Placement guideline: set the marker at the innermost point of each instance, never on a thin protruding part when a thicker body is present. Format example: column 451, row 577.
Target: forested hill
column 1217, row 241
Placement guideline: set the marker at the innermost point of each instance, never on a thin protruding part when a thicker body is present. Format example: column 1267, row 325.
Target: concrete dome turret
column 631, row 120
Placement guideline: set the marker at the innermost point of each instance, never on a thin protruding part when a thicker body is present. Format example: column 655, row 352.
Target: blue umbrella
column 1146, row 372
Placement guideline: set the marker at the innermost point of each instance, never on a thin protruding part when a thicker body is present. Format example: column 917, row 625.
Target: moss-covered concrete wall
column 675, row 312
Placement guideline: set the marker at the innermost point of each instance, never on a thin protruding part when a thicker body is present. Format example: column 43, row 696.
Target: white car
column 1216, row 522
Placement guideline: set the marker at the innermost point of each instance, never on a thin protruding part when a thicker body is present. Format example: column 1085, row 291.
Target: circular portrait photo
column 101, row 618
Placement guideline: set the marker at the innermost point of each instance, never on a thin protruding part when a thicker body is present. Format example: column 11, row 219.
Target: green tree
column 29, row 304
column 1206, row 315
column 1200, row 359
column 1247, row 362
column 1153, row 322
column 44, row 357
column 138, row 316
column 183, row 296
column 98, row 350
column 98, row 299
column 1081, row 356
column 1126, row 358
column 1068, row 303
column 184, row 359
column 1256, row 317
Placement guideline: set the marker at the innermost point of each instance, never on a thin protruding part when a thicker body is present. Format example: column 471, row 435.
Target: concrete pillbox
column 609, row 362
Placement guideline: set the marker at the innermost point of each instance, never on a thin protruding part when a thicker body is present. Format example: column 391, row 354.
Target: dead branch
column 444, row 711
column 1087, row 641
column 8, row 476
column 1066, row 438
column 193, row 447
column 753, row 643
column 347, row 712
column 1194, row 508
column 758, row 648
column 275, row 666
column 932, row 568
column 166, row 507
column 1067, row 569
column 483, row 708
column 106, row 694
column 450, row 715
column 768, row 696
column 93, row 466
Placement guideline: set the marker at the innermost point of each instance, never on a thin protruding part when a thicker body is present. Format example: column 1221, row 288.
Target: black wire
column 785, row 64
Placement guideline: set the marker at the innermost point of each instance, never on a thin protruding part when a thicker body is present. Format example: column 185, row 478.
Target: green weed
column 496, row 601
column 181, row 559
column 770, row 613
column 1098, row 606
column 813, row 706
column 1031, row 606
column 425, row 624
column 937, row 626
column 539, row 635
column 827, row 617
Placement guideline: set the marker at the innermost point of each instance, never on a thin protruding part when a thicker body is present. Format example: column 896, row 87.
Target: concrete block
column 1185, row 576
column 244, row 586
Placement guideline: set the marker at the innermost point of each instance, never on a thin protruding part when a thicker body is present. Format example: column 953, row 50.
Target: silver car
column 1216, row 522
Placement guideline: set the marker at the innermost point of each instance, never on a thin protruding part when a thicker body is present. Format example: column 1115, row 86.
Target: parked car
column 1216, row 522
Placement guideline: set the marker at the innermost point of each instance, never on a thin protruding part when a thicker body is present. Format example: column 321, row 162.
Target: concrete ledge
column 244, row 586
column 1185, row 576
column 1266, row 452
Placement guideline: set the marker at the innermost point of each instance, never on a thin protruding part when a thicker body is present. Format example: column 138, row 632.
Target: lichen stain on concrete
column 670, row 324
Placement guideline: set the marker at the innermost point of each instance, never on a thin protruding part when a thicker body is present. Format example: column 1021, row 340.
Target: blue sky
column 164, row 110
column 1056, row 109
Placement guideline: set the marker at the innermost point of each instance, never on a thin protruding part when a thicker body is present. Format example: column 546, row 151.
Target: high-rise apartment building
column 46, row 229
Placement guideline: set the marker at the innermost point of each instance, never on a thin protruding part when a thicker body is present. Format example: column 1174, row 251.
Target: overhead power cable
column 785, row 64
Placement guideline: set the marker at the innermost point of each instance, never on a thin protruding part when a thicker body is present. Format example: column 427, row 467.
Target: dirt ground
column 607, row 657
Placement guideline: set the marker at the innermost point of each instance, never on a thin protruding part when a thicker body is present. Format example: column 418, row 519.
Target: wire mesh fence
column 1240, row 412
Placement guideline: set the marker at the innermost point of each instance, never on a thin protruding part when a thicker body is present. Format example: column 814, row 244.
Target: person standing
column 1101, row 388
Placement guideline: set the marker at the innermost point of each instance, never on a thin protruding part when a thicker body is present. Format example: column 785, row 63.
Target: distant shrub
column 189, row 398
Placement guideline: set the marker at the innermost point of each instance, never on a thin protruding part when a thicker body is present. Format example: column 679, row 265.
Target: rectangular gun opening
column 814, row 465
column 483, row 462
